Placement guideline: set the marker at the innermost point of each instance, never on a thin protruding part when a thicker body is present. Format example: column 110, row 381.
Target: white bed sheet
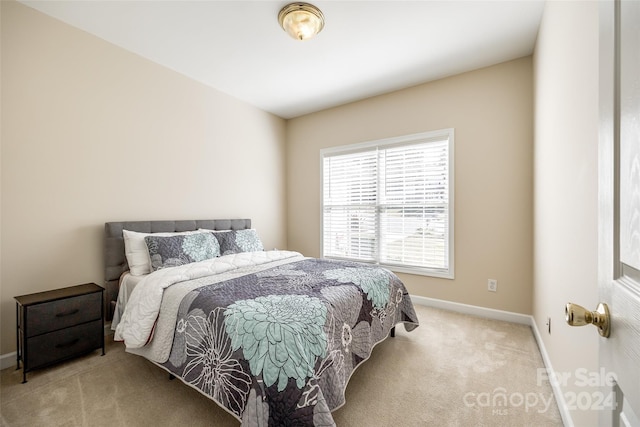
column 127, row 283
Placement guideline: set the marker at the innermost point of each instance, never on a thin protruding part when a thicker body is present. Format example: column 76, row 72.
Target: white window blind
column 389, row 202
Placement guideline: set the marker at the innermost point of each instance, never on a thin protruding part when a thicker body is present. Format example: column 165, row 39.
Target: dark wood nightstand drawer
column 60, row 314
column 59, row 324
column 65, row 343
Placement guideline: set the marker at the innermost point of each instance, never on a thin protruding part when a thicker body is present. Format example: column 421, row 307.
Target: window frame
column 404, row 140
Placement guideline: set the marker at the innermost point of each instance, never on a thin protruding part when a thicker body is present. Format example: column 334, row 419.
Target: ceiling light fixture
column 301, row 20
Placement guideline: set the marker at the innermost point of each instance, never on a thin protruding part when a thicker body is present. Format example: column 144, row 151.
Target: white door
column 619, row 199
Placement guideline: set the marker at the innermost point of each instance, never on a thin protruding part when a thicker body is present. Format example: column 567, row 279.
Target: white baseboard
column 555, row 386
column 8, row 360
column 506, row 316
column 474, row 310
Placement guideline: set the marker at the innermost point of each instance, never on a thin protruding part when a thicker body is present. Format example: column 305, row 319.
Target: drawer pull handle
column 67, row 313
column 67, row 344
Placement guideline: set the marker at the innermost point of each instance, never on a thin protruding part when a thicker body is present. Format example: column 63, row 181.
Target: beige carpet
column 454, row 370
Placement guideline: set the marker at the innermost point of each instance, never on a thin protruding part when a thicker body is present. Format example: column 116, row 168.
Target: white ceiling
column 367, row 48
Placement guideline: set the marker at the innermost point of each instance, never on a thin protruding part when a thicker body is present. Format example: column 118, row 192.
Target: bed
column 272, row 336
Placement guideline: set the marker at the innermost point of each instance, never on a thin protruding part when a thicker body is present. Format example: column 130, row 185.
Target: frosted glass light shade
column 301, row 20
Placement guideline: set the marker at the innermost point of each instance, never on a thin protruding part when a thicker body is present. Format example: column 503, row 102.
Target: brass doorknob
column 577, row 315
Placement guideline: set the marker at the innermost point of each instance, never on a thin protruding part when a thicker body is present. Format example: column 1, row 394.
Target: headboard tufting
column 115, row 262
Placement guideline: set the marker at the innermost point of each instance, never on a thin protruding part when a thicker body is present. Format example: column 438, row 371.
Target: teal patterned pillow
column 233, row 242
column 179, row 250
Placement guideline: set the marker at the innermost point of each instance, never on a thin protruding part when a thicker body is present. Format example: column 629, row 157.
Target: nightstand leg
column 17, row 338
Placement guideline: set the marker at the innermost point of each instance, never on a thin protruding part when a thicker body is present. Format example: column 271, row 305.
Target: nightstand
column 57, row 325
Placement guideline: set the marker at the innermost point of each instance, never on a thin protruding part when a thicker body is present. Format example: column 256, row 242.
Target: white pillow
column 135, row 249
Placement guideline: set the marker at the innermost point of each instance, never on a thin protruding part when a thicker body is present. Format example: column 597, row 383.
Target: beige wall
column 92, row 133
column 566, row 139
column 492, row 111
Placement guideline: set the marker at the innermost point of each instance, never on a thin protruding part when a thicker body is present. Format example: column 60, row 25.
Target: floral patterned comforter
column 277, row 347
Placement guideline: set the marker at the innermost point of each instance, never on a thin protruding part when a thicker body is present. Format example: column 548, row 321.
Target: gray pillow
column 233, row 242
column 172, row 251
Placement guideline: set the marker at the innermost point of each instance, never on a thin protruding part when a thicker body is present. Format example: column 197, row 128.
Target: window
column 390, row 202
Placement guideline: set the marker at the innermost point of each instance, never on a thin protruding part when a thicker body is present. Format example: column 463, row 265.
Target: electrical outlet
column 492, row 285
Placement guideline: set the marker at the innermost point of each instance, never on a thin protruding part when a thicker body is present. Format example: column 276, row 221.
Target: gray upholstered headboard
column 115, row 262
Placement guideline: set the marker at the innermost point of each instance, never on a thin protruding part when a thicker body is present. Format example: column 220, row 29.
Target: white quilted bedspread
column 141, row 313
